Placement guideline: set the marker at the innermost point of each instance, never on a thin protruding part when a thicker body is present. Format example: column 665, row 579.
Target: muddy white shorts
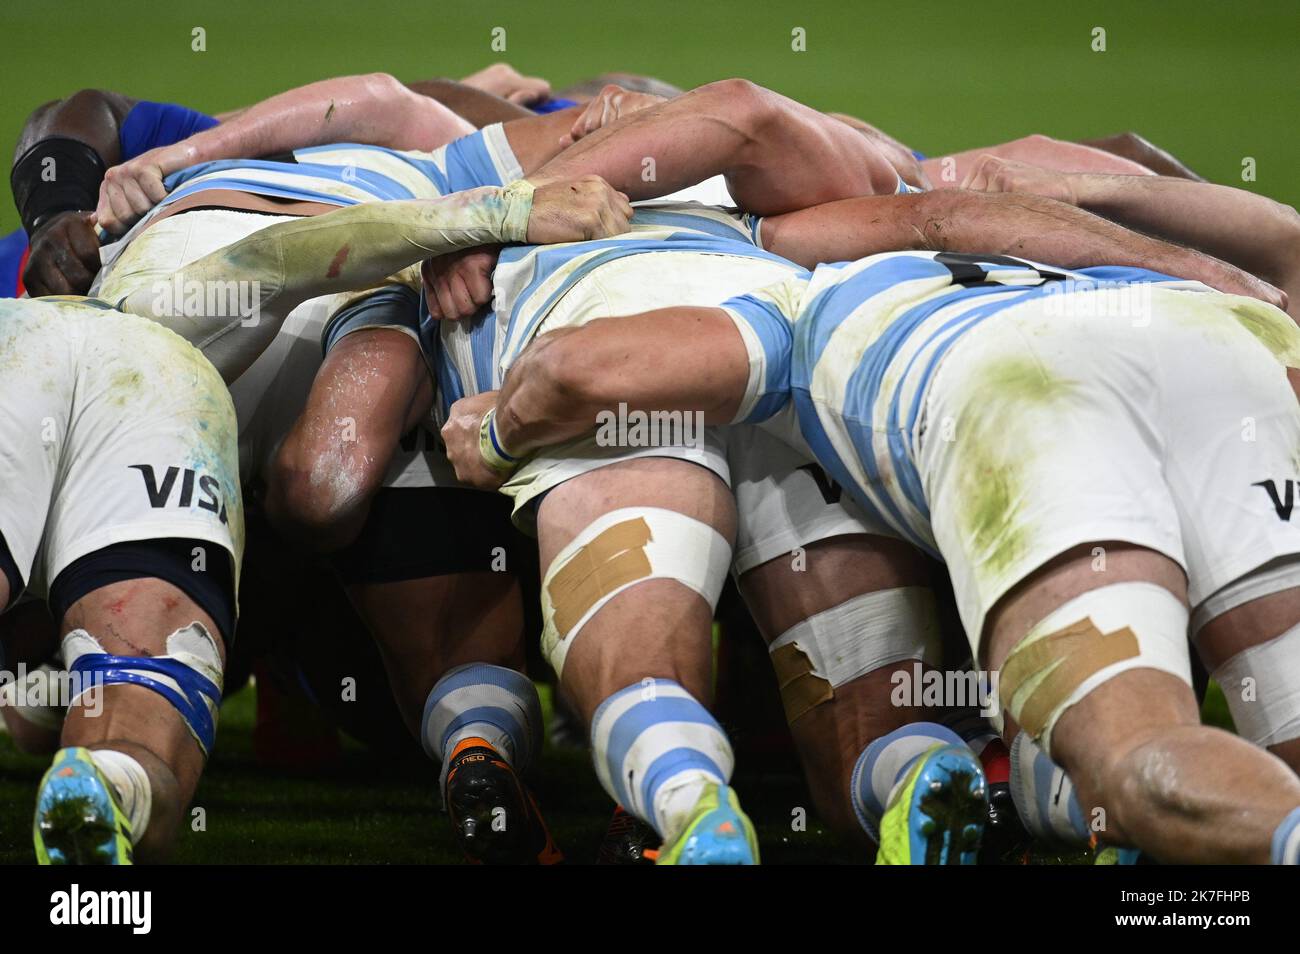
column 112, row 429
column 1065, row 422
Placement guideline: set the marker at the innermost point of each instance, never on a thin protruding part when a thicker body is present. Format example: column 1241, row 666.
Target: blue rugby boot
column 78, row 820
column 936, row 815
column 719, row 833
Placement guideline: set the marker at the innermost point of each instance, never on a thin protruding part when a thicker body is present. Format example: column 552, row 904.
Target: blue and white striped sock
column 655, row 748
column 1044, row 795
column 884, row 762
column 492, row 703
column 1285, row 849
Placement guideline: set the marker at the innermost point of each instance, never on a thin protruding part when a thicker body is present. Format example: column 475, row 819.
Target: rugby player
column 472, row 710
column 123, row 437
column 1044, row 462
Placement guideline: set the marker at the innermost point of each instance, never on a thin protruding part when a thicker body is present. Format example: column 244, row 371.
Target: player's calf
column 1099, row 676
column 635, row 556
column 143, row 719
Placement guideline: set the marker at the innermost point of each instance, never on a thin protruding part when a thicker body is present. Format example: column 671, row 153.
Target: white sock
column 130, row 783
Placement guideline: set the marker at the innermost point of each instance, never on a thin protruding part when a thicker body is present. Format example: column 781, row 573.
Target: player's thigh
column 1248, row 636
column 633, row 555
column 39, row 348
column 1042, row 435
column 1137, row 698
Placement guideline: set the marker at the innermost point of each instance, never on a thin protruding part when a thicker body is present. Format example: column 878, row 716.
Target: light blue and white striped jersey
column 347, row 173
column 853, row 347
column 530, row 280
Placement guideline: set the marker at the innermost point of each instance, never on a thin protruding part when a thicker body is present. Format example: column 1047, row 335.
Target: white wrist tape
column 618, row 550
column 1262, row 686
column 1086, row 642
column 816, row 656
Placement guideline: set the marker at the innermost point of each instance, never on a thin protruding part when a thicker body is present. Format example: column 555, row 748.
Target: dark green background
column 1213, row 82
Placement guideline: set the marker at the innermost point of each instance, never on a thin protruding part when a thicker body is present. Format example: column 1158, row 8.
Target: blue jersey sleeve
column 149, row 125
column 765, row 322
column 483, row 158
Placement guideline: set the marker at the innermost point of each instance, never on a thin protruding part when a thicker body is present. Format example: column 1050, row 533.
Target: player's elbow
column 568, row 373
column 377, row 89
column 744, row 106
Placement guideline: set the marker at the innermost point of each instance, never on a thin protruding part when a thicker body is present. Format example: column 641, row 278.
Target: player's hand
column 576, row 210
column 461, row 436
column 131, row 189
column 1233, row 280
column 457, row 285
column 609, row 105
column 64, row 256
column 502, row 79
column 995, row 174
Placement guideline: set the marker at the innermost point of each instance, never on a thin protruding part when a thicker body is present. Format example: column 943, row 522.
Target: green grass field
column 1216, row 84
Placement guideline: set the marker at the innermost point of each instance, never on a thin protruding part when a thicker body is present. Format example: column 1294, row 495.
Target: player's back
column 674, row 254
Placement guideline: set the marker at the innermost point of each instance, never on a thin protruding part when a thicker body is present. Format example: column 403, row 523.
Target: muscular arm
column 374, row 109
column 777, row 154
column 1250, row 231
column 670, row 359
column 1028, row 226
column 250, row 286
column 64, row 255
column 1129, row 145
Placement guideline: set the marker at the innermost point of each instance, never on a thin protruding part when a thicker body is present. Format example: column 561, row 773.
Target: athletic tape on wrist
column 57, row 174
column 489, row 445
column 518, row 197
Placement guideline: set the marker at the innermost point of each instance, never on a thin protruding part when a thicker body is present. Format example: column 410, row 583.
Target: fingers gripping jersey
column 854, row 347
column 530, row 281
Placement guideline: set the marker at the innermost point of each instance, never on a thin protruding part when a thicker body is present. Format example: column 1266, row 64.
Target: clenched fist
column 64, row 256
column 461, row 435
column 576, row 210
column 131, row 189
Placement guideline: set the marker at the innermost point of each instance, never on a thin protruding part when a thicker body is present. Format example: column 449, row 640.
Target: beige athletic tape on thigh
column 816, row 656
column 1089, row 641
column 621, row 549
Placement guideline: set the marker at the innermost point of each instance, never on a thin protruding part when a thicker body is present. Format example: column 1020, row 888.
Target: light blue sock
column 1044, row 795
column 493, row 703
column 1286, row 840
column 883, row 764
column 655, row 748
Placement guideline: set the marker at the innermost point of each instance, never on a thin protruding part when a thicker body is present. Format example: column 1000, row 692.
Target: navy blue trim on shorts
column 170, row 560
